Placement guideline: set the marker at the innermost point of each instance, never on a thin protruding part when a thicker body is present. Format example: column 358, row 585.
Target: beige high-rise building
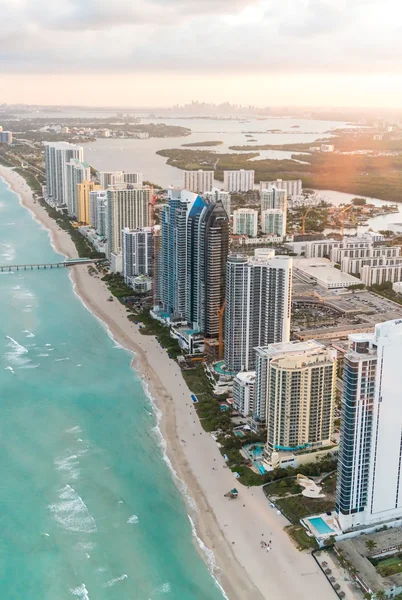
column 127, row 206
column 295, row 396
column 83, row 191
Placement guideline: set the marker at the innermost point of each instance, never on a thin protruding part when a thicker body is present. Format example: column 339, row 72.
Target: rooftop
column 323, row 270
column 246, row 376
column 357, row 553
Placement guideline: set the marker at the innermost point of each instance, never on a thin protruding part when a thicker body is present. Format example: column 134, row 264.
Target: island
column 206, row 144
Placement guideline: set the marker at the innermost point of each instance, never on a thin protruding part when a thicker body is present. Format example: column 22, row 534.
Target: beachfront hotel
column 243, row 392
column 294, row 398
column 207, row 251
column 97, row 211
column 258, row 305
column 84, row 189
column 76, row 172
column 369, row 489
column 238, row 181
column 173, row 253
column 127, row 206
column 57, row 155
column 245, row 222
column 192, row 260
column 198, row 181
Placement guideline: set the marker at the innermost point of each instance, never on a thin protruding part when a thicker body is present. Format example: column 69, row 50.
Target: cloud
column 200, row 36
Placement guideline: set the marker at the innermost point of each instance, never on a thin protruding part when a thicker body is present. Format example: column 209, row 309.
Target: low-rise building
column 323, row 272
column 397, row 287
column 381, row 274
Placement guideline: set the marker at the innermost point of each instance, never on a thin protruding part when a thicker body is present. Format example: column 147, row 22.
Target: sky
column 163, row 52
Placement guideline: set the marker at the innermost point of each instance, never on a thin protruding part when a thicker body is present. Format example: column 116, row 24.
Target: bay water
column 88, row 505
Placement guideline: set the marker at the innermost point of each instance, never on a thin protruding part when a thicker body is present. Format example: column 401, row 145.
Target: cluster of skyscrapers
column 109, row 202
column 240, row 306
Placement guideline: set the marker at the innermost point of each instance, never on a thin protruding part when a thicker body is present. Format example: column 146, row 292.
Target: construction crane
column 221, row 313
column 343, row 212
column 303, row 219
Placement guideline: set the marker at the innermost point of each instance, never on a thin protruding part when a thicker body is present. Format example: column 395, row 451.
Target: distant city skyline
column 316, row 52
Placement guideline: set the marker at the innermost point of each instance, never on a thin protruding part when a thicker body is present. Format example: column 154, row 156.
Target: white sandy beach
column 231, row 529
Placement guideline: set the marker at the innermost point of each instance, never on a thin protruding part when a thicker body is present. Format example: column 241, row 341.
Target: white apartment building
column 295, row 396
column 292, row 187
column 77, row 172
column 132, row 178
column 111, row 178
column 353, row 247
column 274, row 198
column 273, row 221
column 127, row 206
column 199, row 181
column 238, row 181
column 97, row 211
column 138, row 249
column 381, row 274
column 57, row 155
column 258, row 305
column 354, row 266
column 245, row 222
column 243, row 392
column 216, row 194
column 321, row 248
column 369, row 485
column 6, row 137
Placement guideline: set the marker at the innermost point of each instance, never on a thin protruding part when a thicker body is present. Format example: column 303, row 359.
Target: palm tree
column 371, row 545
column 368, row 596
column 381, row 595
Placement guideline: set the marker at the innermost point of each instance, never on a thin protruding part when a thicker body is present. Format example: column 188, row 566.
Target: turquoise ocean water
column 88, row 506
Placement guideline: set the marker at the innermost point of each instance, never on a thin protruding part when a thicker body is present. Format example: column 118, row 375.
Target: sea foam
column 80, row 592
column 72, row 513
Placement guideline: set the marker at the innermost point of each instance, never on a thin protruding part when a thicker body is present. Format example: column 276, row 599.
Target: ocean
column 88, row 505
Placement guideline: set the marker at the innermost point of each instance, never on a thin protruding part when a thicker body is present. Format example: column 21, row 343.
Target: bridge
column 30, row 267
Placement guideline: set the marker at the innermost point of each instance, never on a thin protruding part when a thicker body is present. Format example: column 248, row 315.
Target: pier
column 31, row 267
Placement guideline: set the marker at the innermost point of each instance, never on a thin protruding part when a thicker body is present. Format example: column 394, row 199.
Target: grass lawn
column 298, row 507
column 299, row 535
column 390, row 566
column 329, row 484
column 198, row 382
column 153, row 327
column 282, row 487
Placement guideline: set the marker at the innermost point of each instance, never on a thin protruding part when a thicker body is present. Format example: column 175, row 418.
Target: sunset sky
column 160, row 52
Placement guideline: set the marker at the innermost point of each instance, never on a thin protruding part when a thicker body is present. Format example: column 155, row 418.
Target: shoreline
column 230, row 530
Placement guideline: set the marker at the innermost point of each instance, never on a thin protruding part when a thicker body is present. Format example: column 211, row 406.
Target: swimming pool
column 320, row 525
column 239, row 433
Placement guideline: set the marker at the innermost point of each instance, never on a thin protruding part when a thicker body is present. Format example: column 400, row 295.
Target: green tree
column 371, row 545
column 381, row 595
